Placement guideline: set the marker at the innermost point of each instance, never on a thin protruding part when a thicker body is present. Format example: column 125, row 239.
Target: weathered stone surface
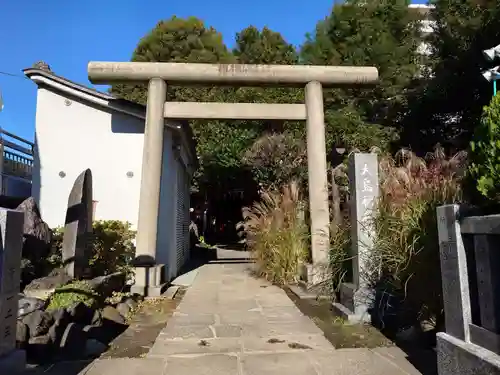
column 129, row 366
column 217, row 364
column 28, row 305
column 22, row 335
column 36, row 233
column 457, row 357
column 97, row 318
column 112, row 314
column 165, row 348
column 78, row 226
column 187, row 332
column 94, row 348
column 61, row 315
column 193, row 319
column 11, row 238
column 131, row 303
column 123, row 309
column 106, row 285
column 56, row 331
column 228, row 330
column 38, row 322
column 286, row 343
column 277, row 363
column 44, row 286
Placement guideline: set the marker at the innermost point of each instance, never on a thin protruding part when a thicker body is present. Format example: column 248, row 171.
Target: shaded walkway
column 231, row 323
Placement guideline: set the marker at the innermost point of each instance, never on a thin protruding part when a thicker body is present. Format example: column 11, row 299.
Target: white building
column 78, row 128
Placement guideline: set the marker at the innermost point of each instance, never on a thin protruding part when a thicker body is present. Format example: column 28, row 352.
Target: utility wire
column 13, row 75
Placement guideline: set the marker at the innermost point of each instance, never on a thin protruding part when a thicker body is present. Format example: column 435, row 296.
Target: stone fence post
column 11, row 243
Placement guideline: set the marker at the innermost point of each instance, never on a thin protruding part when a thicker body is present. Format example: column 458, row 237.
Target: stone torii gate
column 313, row 78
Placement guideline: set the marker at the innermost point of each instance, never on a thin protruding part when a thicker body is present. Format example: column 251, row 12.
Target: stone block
column 487, row 260
column 8, row 322
column 11, row 242
column 364, row 188
column 484, row 338
column 355, row 304
column 457, row 357
column 78, row 226
column 13, row 362
column 454, row 273
column 149, row 280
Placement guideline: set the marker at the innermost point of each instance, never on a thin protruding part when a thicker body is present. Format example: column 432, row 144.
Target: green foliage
column 111, row 248
column 70, row 294
column 275, row 231
column 485, row 152
column 447, row 108
column 254, row 46
column 379, row 33
column 340, row 242
column 347, row 127
column 276, row 159
column 176, row 40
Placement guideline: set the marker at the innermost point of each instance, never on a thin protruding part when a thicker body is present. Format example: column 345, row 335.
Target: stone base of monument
column 13, row 362
column 149, row 281
column 311, row 275
column 457, row 357
column 354, row 303
column 311, row 283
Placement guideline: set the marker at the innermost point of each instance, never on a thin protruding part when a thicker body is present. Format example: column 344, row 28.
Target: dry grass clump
column 406, row 252
column 275, row 230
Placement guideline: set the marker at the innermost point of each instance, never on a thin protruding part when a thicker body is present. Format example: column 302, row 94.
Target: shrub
column 276, row 159
column 275, row 231
column 111, row 247
column 70, row 294
column 406, row 249
column 484, row 169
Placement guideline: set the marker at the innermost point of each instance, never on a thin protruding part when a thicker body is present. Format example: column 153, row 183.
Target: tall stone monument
column 78, row 226
column 11, row 244
column 356, row 296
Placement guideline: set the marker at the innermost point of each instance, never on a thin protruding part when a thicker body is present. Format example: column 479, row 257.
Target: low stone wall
column 470, row 268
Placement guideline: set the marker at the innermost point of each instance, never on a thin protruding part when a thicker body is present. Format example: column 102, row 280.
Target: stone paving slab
column 127, row 366
column 227, row 323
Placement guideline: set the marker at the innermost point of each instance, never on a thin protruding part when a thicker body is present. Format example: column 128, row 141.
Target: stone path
column 232, row 323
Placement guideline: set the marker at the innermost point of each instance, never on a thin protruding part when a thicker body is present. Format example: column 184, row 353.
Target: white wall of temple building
column 79, row 128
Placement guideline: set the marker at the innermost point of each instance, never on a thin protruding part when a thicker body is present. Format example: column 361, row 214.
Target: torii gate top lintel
column 231, row 74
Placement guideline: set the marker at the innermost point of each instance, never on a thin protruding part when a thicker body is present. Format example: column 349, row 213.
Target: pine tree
column 379, row 33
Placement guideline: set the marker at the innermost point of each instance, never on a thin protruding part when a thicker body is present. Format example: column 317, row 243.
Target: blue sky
column 68, row 34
